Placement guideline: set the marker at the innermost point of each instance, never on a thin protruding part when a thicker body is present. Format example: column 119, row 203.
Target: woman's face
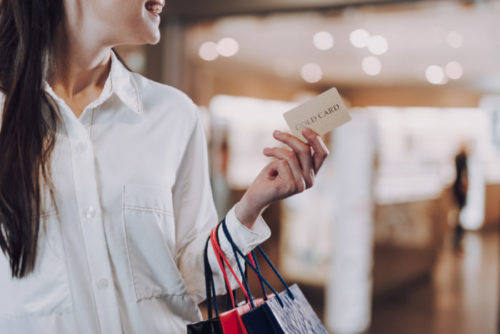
column 118, row 21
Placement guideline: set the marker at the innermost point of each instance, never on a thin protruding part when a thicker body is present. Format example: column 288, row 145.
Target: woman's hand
column 292, row 172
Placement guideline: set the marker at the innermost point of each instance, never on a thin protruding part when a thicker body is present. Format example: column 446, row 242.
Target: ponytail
column 28, row 124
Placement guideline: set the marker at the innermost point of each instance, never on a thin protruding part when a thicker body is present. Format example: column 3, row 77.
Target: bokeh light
column 454, row 70
column 377, row 45
column 359, row 38
column 435, row 75
column 371, row 65
column 311, row 72
column 323, row 40
column 208, row 51
column 228, row 47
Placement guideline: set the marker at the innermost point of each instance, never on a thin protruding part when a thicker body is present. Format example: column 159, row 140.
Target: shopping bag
column 294, row 314
column 212, row 325
column 287, row 312
column 232, row 318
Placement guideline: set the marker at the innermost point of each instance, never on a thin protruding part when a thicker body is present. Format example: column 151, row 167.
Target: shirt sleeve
column 195, row 215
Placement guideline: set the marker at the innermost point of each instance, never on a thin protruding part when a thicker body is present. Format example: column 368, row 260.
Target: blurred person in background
column 460, row 188
column 105, row 200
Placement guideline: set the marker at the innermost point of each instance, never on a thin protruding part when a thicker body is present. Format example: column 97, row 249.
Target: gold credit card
column 322, row 114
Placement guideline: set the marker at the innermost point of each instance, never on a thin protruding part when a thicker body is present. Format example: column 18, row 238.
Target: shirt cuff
column 245, row 238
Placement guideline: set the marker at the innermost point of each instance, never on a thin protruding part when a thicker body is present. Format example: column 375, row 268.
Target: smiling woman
column 105, row 199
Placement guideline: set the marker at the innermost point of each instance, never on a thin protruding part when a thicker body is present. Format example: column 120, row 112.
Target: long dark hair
column 29, row 123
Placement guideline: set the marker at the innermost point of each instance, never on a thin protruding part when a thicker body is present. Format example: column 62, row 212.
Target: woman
column 105, row 203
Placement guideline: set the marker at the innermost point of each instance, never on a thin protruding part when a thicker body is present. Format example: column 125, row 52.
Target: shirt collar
column 123, row 84
column 120, row 81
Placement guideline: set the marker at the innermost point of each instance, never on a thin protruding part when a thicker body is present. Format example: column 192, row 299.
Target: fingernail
column 308, row 131
column 277, row 133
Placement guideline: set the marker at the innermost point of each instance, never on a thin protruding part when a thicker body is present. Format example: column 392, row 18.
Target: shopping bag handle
column 243, row 275
column 221, row 259
column 254, row 268
column 253, row 261
column 261, row 278
column 211, row 296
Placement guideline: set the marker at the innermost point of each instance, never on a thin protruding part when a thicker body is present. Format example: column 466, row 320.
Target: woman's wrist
column 247, row 211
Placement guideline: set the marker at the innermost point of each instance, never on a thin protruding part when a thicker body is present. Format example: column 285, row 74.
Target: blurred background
column 401, row 232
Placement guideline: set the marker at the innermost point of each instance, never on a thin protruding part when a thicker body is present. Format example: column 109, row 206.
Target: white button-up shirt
column 123, row 252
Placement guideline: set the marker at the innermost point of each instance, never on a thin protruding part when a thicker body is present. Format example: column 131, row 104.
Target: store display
column 416, row 150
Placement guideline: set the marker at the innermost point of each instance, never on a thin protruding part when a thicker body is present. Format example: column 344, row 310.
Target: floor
column 461, row 297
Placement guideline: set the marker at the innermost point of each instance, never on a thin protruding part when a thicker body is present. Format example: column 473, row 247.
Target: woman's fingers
column 319, row 148
column 296, row 168
column 291, row 158
column 303, row 152
column 287, row 184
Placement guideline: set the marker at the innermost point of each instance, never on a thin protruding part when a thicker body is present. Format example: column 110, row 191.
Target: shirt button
column 81, row 147
column 90, row 212
column 102, row 283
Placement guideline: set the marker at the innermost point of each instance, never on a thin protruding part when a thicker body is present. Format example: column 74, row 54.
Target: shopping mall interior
column 380, row 244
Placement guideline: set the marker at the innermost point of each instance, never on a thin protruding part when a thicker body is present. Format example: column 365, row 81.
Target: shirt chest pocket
column 149, row 227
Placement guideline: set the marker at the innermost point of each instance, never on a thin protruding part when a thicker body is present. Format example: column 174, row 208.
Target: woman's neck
column 81, row 67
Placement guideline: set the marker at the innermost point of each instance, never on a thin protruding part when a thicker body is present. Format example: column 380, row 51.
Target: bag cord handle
column 254, row 268
column 209, row 285
column 221, row 259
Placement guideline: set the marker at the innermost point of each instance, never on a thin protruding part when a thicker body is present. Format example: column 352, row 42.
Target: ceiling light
column 323, row 40
column 311, row 73
column 454, row 70
column 228, row 47
column 435, row 75
column 371, row 65
column 377, row 45
column 208, row 51
column 359, row 38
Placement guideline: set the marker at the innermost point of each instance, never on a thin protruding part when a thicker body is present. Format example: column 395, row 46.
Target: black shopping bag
column 212, row 325
column 287, row 312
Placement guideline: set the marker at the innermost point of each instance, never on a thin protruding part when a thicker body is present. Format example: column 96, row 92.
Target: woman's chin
column 152, row 36
column 154, row 39
column 149, row 38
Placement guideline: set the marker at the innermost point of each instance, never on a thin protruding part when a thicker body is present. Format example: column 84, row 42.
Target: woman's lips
column 155, row 6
